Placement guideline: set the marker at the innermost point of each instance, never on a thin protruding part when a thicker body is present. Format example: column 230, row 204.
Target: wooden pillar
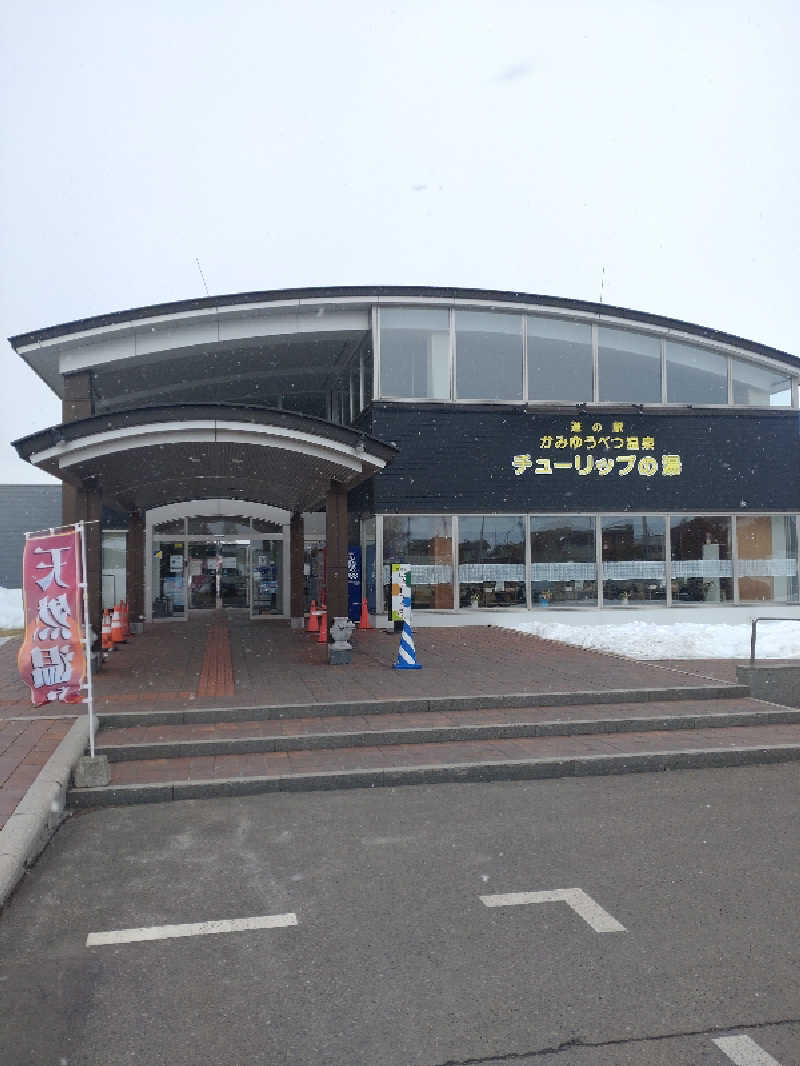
column 134, row 565
column 296, row 558
column 337, row 551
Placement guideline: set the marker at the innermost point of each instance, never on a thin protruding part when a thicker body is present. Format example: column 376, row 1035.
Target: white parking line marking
column 744, row 1052
column 583, row 905
column 165, row 932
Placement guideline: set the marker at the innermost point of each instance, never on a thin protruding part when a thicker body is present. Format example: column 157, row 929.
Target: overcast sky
column 512, row 145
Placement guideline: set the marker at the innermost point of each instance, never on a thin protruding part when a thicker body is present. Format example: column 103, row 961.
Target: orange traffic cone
column 323, row 629
column 116, row 627
column 364, row 620
column 108, row 643
column 313, row 621
column 123, row 617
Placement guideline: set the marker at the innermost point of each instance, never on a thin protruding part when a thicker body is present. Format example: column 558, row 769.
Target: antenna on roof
column 602, row 281
column 202, row 275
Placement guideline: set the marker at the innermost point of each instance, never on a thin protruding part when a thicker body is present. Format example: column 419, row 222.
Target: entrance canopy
column 148, row 457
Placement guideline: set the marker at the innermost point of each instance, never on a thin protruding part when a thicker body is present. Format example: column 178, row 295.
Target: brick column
column 134, row 563
column 296, row 555
column 76, row 404
column 337, row 551
column 87, row 506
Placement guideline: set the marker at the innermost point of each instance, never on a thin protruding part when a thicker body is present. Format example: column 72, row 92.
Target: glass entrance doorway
column 219, row 562
column 218, row 574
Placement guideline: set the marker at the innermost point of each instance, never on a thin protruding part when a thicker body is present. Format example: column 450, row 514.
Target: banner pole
column 86, row 636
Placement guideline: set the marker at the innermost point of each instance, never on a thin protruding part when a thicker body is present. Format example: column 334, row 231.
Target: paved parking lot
column 392, row 957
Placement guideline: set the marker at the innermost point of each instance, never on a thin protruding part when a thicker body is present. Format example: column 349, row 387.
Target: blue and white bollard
column 406, row 654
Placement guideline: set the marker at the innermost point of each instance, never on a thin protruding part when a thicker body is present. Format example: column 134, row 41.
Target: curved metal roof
column 375, row 293
column 146, row 457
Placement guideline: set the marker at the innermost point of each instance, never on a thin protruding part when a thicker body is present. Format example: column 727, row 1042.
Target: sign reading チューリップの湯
column 598, row 449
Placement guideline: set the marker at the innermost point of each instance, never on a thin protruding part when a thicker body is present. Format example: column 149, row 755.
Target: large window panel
column 563, row 567
column 559, row 361
column 629, row 367
column 767, row 550
column 491, row 561
column 760, row 386
column 695, row 375
column 415, row 354
column 425, row 542
column 700, row 549
column 488, row 356
column 634, row 567
column 115, row 553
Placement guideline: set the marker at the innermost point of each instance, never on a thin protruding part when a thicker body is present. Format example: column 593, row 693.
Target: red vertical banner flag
column 52, row 659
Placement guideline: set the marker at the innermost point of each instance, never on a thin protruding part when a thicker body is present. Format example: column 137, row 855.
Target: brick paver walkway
column 25, row 746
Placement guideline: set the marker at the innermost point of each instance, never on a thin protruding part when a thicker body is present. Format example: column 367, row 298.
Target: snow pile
column 11, row 616
column 682, row 640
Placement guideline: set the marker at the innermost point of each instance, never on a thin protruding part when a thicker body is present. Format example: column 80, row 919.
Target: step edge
column 130, row 752
column 347, row 708
column 508, row 769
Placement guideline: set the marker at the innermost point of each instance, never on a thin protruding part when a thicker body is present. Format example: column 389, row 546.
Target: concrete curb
column 188, row 715
column 507, row 770
column 40, row 811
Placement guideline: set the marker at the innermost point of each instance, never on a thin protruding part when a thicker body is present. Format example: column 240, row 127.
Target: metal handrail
column 754, row 622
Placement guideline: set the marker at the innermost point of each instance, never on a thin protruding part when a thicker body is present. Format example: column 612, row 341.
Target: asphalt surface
column 394, row 959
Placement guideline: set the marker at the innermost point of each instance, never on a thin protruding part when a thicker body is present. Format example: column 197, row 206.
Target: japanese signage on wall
column 52, row 660
column 472, row 459
column 588, row 448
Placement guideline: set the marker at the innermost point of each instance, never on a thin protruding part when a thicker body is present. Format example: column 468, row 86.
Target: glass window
column 700, row 549
column 266, row 576
column 368, row 562
column 114, row 568
column 216, row 525
column 695, row 375
column 314, row 523
column 491, row 561
column 488, row 356
column 629, row 367
column 415, row 354
column 313, row 572
column 633, row 559
column 426, row 543
column 559, row 361
column 759, row 386
column 167, row 575
column 563, row 568
column 767, row 564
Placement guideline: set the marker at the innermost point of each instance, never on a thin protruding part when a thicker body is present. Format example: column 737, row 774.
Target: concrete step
column 200, row 776
column 432, row 727
column 712, row 691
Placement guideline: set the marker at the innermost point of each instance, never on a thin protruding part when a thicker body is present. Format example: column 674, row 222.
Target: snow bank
column 11, row 609
column 681, row 640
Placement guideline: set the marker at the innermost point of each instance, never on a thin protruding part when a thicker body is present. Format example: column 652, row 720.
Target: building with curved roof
column 516, row 450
